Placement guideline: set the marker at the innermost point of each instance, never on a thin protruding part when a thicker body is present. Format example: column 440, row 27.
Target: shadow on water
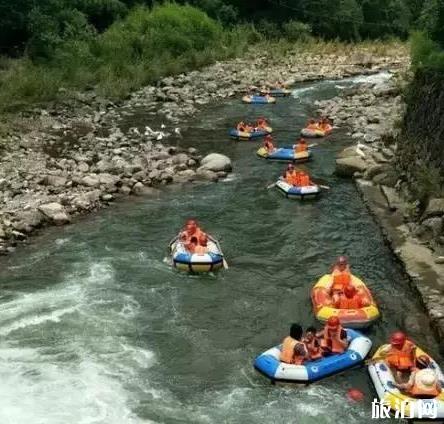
column 96, row 328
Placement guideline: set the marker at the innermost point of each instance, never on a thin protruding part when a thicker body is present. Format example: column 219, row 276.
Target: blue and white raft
column 259, row 99
column 193, row 262
column 284, row 154
column 250, row 135
column 293, row 192
column 269, row 364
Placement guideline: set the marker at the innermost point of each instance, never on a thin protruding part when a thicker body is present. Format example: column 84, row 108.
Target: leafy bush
column 297, row 31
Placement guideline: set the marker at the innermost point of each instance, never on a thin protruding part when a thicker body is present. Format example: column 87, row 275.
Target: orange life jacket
column 331, row 341
column 201, row 249
column 301, row 147
column 186, row 236
column 402, row 359
column 340, row 280
column 313, row 349
column 289, row 177
column 288, row 354
column 347, row 303
column 420, row 390
column 304, row 180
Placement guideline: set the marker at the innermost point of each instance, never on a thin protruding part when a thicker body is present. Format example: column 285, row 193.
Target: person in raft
column 312, row 344
column 301, row 146
column 191, row 235
column 341, row 277
column 333, row 338
column 289, row 174
column 400, row 355
column 312, row 125
column 324, row 124
column 268, row 144
column 423, row 382
column 241, row 126
column 351, row 299
column 261, row 123
column 294, row 350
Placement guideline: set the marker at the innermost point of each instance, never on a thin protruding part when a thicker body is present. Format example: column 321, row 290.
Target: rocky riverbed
column 372, row 114
column 78, row 155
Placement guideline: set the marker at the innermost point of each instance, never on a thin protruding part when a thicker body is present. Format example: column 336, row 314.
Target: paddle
column 224, row 262
column 270, row 186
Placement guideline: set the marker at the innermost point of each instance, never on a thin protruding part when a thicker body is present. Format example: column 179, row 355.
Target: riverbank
column 373, row 113
column 74, row 157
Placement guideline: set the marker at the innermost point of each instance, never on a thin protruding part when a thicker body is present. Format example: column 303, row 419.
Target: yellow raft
column 351, row 318
column 388, row 393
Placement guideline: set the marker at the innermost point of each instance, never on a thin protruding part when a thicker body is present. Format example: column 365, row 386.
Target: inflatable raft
column 277, row 92
column 258, row 99
column 293, row 192
column 284, row 154
column 251, row 135
column 269, row 364
column 193, row 262
column 309, row 133
column 351, row 318
column 388, row 393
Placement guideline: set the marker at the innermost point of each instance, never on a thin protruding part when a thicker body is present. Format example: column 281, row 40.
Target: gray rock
column 439, row 260
column 33, row 218
column 125, row 190
column 83, row 167
column 55, row 212
column 203, row 174
column 184, row 176
column 138, row 188
column 180, row 159
column 105, row 166
column 90, row 181
column 431, row 228
column 54, row 181
column 216, row 162
column 108, row 179
column 394, row 202
column 107, row 197
column 374, row 170
column 434, row 208
column 346, row 167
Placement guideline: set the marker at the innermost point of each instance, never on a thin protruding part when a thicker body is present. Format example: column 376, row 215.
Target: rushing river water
column 96, row 328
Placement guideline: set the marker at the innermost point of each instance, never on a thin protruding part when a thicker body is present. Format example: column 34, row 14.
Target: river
column 96, row 327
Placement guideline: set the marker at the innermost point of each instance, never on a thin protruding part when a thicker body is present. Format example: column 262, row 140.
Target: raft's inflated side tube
column 309, row 133
column 258, row 99
column 351, row 318
column 293, row 192
column 283, row 154
column 277, row 92
column 193, row 262
column 269, row 364
column 252, row 135
column 388, row 393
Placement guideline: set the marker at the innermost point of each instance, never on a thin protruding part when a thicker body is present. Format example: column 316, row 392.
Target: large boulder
column 216, row 162
column 55, row 213
column 434, row 208
column 346, row 167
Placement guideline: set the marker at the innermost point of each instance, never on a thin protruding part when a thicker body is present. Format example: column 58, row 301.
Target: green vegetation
column 116, row 46
column 138, row 50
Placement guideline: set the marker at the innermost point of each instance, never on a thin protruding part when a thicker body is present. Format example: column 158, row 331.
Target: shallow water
column 96, row 328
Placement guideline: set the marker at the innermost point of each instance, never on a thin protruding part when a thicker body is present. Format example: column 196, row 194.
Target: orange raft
column 350, row 318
